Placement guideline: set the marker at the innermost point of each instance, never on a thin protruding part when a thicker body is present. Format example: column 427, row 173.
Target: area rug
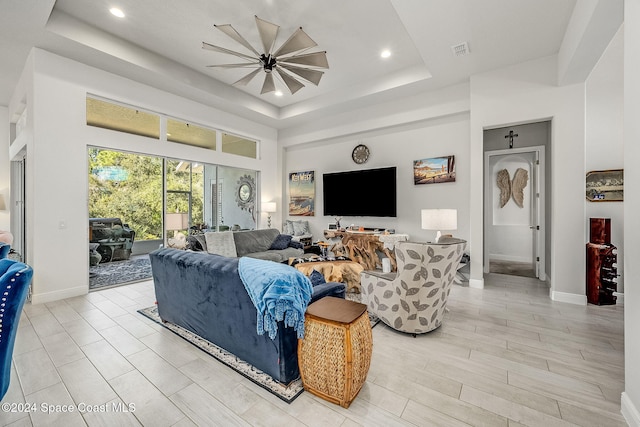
column 288, row 393
column 119, row 272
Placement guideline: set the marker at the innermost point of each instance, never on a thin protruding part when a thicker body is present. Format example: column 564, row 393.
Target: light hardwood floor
column 505, row 356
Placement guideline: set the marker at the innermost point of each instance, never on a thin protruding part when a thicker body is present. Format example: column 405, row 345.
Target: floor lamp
column 269, row 208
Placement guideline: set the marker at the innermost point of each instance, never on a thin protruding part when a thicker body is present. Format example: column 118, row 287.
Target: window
column 122, row 118
column 187, row 133
column 128, row 119
column 233, row 144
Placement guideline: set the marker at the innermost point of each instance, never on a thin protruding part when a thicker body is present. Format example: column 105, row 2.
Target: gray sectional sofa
column 251, row 243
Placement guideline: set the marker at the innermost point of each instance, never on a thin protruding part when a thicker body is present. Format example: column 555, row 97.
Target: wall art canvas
column 605, row 186
column 434, row 170
column 302, row 193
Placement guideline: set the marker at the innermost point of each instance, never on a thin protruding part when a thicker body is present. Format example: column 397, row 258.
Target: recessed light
column 385, row 53
column 116, row 12
column 278, row 93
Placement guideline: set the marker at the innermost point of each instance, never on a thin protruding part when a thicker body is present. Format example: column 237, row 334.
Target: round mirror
column 244, row 192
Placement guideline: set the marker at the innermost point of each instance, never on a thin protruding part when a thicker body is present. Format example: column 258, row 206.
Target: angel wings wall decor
column 512, row 188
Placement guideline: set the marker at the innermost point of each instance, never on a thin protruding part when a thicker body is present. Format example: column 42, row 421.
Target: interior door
column 514, row 208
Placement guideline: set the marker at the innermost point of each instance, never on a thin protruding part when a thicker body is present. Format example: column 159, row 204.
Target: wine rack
column 602, row 258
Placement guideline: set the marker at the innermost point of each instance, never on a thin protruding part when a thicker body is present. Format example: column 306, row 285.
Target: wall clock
column 360, row 154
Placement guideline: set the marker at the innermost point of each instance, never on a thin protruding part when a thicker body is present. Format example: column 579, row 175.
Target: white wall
column 604, row 137
column 528, row 93
column 398, row 146
column 57, row 160
column 631, row 395
column 5, row 168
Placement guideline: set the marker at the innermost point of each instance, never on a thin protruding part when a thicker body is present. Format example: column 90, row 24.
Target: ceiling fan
column 289, row 59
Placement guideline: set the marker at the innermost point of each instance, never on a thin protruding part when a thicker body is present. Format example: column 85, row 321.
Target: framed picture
column 434, row 170
column 605, row 186
column 302, row 193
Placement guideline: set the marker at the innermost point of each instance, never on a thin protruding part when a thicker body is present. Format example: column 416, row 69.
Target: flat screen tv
column 370, row 192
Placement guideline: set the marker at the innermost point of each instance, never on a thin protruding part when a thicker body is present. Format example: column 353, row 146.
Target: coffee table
column 347, row 272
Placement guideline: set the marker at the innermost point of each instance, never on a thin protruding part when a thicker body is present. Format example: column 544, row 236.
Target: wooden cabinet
column 602, row 258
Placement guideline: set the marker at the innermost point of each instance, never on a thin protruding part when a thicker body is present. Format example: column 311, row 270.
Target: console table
column 362, row 246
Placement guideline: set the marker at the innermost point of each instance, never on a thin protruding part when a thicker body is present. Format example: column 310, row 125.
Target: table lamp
column 269, row 208
column 176, row 221
column 439, row 220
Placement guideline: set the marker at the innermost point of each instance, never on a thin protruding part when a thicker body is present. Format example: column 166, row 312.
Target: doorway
column 515, row 200
column 18, row 205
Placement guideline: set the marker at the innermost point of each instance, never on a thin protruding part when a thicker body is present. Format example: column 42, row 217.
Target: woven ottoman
column 335, row 354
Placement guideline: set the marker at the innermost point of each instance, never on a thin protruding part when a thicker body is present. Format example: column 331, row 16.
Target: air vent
column 461, row 49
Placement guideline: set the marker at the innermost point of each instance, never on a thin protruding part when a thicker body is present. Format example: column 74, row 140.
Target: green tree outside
column 129, row 186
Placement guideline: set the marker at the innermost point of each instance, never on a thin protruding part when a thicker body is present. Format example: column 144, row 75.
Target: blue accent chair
column 15, row 278
column 4, row 250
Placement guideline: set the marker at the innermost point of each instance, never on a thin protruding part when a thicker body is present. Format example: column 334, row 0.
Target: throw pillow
column 316, row 278
column 288, row 227
column 193, row 244
column 300, row 228
column 296, row 245
column 281, row 242
column 221, row 243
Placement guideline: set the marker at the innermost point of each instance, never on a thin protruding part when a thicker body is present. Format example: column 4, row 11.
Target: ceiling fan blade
column 316, row 59
column 268, row 85
column 241, row 65
column 293, row 84
column 299, row 40
column 215, row 48
column 268, row 33
column 231, row 32
column 313, row 76
column 246, row 79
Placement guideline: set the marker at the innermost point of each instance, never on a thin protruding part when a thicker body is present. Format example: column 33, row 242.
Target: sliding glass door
column 157, row 197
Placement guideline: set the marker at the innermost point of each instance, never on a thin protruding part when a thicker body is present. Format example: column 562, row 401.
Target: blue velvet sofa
column 15, row 278
column 204, row 294
column 4, row 250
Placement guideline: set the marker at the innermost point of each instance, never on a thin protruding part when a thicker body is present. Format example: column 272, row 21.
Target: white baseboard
column 567, row 297
column 476, row 283
column 40, row 298
column 502, row 257
column 629, row 411
column 620, row 297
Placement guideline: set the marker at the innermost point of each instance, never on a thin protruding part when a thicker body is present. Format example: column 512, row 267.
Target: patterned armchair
column 413, row 299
